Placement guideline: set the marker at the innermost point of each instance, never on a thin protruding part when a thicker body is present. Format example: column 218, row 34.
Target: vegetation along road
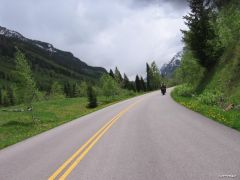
column 146, row 137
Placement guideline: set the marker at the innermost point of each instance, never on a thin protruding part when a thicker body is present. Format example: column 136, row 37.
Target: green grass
column 17, row 126
column 230, row 118
column 220, row 88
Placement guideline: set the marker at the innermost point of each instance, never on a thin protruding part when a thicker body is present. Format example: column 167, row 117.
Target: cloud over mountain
column 124, row 33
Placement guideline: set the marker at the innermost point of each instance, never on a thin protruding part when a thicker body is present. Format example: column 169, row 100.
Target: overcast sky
column 106, row 33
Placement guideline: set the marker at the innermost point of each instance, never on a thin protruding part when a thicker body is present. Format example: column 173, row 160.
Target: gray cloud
column 108, row 33
column 175, row 3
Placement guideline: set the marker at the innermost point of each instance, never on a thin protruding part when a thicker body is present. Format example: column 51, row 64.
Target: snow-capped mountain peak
column 168, row 68
column 11, row 34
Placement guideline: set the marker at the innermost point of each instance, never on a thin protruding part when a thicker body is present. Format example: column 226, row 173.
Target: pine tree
column 156, row 76
column 219, row 3
column 92, row 98
column 132, row 86
column 5, row 99
column 67, row 89
column 111, row 73
column 138, row 84
column 74, row 90
column 70, row 89
column 126, row 83
column 143, row 85
column 200, row 33
column 149, row 77
column 118, row 76
column 11, row 96
column 27, row 90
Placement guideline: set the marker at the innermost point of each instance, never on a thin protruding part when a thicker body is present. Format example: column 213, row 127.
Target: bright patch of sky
column 106, row 33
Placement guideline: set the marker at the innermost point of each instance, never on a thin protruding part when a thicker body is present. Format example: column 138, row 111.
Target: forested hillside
column 210, row 66
column 47, row 63
column 32, row 71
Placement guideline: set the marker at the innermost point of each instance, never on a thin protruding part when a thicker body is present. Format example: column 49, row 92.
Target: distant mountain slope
column 48, row 63
column 168, row 68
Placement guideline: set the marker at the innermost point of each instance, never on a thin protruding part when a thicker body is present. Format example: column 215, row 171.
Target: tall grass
column 17, row 126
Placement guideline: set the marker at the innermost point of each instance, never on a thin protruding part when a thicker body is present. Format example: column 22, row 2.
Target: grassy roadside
column 17, row 126
column 230, row 118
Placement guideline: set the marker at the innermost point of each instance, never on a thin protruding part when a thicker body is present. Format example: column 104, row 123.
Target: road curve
column 149, row 137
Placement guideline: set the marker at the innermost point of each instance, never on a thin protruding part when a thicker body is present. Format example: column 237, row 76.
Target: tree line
column 213, row 26
column 112, row 84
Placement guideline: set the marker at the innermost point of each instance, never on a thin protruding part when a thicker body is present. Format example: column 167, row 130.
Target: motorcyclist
column 163, row 88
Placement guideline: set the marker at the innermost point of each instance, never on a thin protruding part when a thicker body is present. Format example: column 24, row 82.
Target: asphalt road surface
column 149, row 137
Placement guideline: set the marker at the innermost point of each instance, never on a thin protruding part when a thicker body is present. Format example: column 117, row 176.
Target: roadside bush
column 127, row 93
column 83, row 89
column 190, row 71
column 56, row 91
column 235, row 98
column 109, row 86
column 210, row 97
column 184, row 90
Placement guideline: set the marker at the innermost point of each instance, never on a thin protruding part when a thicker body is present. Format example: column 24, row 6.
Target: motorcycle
column 163, row 90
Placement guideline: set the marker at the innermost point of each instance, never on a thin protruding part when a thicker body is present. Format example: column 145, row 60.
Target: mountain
column 168, row 68
column 47, row 63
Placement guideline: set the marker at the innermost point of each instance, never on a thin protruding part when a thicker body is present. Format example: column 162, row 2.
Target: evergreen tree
column 200, row 33
column 5, row 99
column 126, row 83
column 118, row 76
column 70, row 89
column 111, row 73
column 92, row 98
column 74, row 90
column 149, row 77
column 132, row 86
column 143, row 85
column 67, row 89
column 11, row 96
column 27, row 90
column 138, row 84
column 156, row 76
column 219, row 3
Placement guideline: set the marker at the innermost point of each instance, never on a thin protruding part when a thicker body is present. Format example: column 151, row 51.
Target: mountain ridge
column 168, row 69
column 45, row 61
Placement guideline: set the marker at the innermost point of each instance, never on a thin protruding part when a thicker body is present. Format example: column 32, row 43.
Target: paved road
column 149, row 138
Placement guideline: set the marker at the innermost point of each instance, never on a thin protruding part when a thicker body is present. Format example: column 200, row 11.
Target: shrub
column 110, row 87
column 127, row 93
column 184, row 90
column 56, row 91
column 190, row 71
column 210, row 97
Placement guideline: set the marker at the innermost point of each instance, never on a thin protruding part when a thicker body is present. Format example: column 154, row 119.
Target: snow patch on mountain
column 169, row 68
column 13, row 34
column 38, row 45
column 45, row 46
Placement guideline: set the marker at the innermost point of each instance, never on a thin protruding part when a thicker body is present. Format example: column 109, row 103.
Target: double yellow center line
column 75, row 159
